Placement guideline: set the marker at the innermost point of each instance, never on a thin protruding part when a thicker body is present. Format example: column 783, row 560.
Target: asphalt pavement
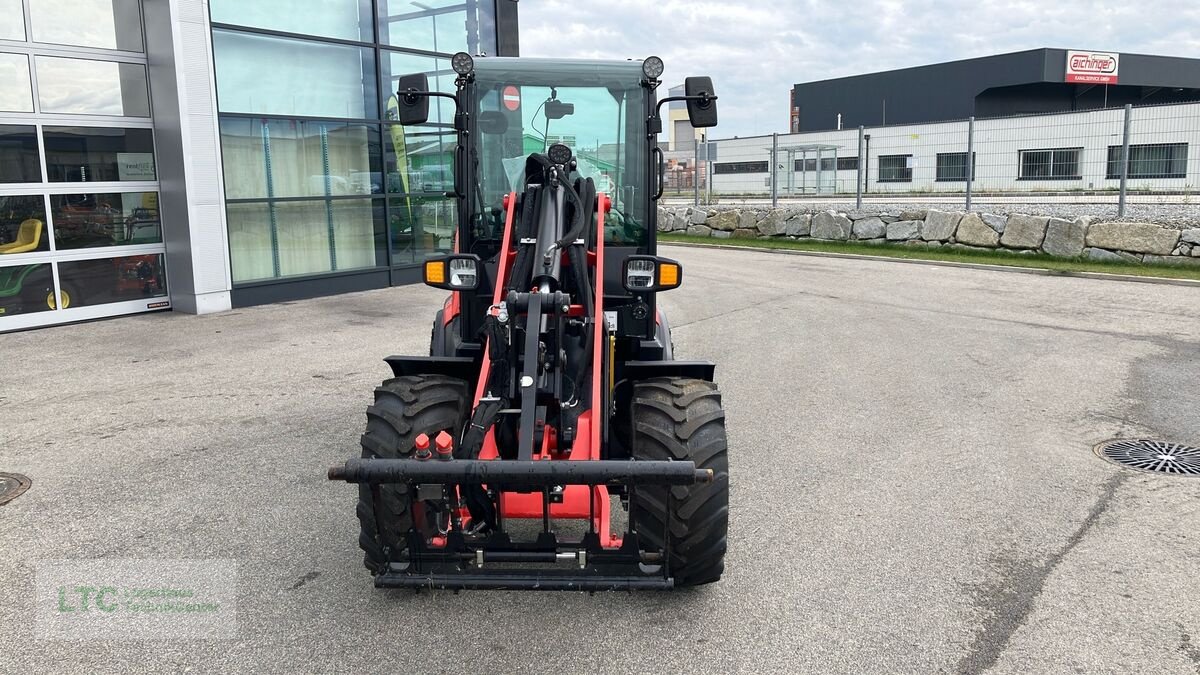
column 914, row 487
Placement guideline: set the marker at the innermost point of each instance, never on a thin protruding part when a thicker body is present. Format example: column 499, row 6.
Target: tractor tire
column 404, row 408
column 679, row 418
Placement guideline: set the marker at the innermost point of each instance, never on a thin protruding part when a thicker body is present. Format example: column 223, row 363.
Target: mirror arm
column 654, row 124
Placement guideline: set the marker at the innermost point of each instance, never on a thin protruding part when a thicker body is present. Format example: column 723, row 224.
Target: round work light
column 653, row 67
column 462, row 63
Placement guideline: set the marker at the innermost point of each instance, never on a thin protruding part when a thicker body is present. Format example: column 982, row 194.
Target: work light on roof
column 462, row 63
column 653, row 67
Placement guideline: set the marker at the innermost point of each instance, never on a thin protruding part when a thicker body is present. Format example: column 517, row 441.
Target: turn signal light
column 650, row 274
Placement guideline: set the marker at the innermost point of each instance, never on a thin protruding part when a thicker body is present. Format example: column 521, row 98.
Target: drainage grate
column 11, row 486
column 1152, row 456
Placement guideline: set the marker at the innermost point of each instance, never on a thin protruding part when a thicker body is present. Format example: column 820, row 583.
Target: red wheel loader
column 551, row 387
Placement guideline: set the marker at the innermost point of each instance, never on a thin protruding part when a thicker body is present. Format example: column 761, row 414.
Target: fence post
column 858, row 176
column 774, row 171
column 1124, row 161
column 970, row 157
column 708, row 170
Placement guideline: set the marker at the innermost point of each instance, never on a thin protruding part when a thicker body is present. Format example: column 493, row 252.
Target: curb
column 1040, row 271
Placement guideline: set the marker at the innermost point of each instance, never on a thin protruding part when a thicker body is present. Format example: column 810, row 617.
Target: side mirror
column 702, row 112
column 492, row 122
column 413, row 104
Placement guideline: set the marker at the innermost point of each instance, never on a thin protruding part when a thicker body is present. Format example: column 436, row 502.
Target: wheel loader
column 551, row 396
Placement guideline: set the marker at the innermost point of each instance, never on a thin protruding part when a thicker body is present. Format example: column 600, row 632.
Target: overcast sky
column 755, row 50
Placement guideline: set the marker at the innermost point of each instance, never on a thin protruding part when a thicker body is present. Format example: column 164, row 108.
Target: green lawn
column 947, row 255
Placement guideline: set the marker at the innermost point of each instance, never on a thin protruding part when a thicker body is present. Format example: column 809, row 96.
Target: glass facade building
column 202, row 155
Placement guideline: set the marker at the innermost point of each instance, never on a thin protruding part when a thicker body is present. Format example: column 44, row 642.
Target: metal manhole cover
column 1152, row 456
column 11, row 486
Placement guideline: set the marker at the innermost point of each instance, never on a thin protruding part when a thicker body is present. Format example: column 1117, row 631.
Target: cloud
column 756, row 50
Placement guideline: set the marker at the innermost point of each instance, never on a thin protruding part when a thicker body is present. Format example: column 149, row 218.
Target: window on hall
column 1153, row 160
column 740, row 167
column 847, row 164
column 343, row 19
column 895, row 168
column 952, row 166
column 261, row 74
column 443, row 26
column 1051, row 164
column 810, row 164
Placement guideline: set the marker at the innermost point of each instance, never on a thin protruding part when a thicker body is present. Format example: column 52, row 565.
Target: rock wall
column 1081, row 237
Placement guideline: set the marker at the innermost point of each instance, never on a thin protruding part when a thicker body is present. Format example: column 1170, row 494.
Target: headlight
column 464, row 273
column 650, row 274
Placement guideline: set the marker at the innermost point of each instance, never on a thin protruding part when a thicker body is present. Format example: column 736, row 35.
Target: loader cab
column 606, row 112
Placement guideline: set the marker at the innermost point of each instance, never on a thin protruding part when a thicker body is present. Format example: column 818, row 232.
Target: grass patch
column 1037, row 261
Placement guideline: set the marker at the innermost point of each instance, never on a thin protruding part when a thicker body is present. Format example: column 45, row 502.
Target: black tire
column 404, row 408
column 678, row 418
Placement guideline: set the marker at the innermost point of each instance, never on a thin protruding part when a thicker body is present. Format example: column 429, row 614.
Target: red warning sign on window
column 511, row 96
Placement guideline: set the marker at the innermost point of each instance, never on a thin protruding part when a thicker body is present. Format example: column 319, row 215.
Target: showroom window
column 13, row 26
column 442, row 26
column 23, row 226
column 19, row 161
column 80, row 232
column 90, row 220
column 341, row 19
column 16, row 90
column 338, row 80
column 318, row 179
column 96, row 154
column 101, row 24
column 87, row 87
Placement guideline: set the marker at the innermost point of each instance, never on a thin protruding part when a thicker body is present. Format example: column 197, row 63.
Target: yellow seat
column 28, row 238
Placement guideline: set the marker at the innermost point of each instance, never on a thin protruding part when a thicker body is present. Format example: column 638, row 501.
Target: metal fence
column 1114, row 155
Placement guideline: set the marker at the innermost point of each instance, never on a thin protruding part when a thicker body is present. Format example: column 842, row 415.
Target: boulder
column 995, row 222
column 1024, row 231
column 745, row 233
column 1065, row 238
column 888, row 218
column 799, row 225
column 868, row 228
column 1174, row 260
column 1191, row 236
column 724, row 220
column 913, row 215
column 1196, row 252
column 700, row 230
column 1104, row 255
column 940, row 225
column 697, row 216
column 664, row 219
column 773, row 224
column 831, row 225
column 1136, row 237
column 902, row 230
column 722, row 234
column 974, row 232
column 748, row 219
